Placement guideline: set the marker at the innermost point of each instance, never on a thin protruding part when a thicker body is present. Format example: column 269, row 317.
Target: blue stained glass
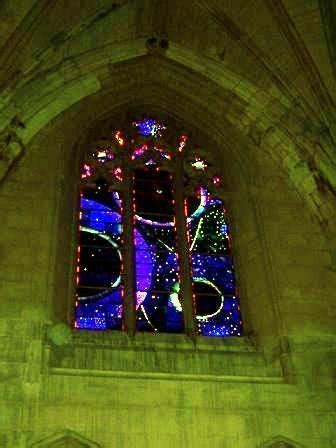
column 99, row 279
column 149, row 127
column 90, row 323
column 158, row 307
column 101, row 312
column 99, row 217
column 217, row 307
column 207, row 329
column 218, row 270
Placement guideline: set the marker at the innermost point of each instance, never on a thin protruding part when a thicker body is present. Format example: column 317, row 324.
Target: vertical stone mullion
column 186, row 290
column 128, row 250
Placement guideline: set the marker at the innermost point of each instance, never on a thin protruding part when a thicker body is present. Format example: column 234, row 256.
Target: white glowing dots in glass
column 103, row 155
column 199, row 164
column 149, row 127
column 157, row 278
column 150, row 162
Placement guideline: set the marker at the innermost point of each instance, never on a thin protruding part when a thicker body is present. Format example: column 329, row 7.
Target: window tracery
column 154, row 250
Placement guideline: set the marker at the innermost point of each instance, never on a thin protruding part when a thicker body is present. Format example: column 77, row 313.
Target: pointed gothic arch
column 280, row 442
column 65, row 439
column 154, row 252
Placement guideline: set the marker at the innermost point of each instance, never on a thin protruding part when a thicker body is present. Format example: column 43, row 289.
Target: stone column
column 128, row 252
column 186, row 290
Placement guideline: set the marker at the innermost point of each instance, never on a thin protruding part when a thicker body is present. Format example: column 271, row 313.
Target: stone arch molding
column 280, row 442
column 39, row 99
column 65, row 439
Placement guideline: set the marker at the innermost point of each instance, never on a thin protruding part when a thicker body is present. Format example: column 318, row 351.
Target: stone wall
column 259, row 95
column 80, row 389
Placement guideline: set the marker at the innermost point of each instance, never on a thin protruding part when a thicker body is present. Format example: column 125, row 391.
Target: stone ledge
column 180, row 342
column 168, row 376
column 148, row 354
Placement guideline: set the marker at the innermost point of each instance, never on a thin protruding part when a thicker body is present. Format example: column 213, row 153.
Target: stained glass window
column 99, row 260
column 156, row 263
column 150, row 210
column 216, row 303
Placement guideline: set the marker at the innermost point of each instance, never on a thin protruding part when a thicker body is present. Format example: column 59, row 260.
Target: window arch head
column 154, row 250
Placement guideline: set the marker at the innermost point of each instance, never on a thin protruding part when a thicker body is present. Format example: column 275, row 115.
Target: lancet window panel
column 154, row 247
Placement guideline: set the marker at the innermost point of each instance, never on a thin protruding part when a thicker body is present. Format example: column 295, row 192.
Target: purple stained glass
column 156, row 266
column 99, row 274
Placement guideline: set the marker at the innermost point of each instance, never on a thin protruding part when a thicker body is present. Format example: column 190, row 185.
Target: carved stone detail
column 280, row 442
column 11, row 145
column 65, row 439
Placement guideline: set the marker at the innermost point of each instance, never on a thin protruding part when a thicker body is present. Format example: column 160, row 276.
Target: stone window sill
column 161, row 356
